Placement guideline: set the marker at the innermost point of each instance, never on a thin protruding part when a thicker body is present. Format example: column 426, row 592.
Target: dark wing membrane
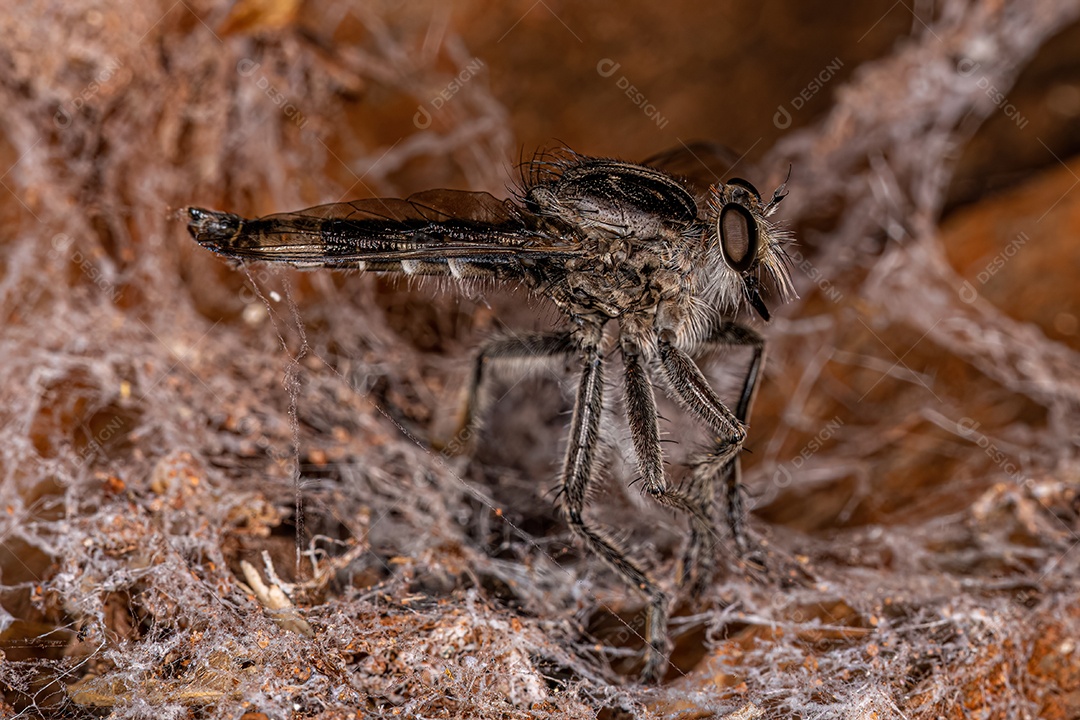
column 700, row 163
column 433, row 232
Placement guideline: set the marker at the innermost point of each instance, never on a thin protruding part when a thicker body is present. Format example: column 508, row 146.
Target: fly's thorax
column 614, row 198
column 622, row 278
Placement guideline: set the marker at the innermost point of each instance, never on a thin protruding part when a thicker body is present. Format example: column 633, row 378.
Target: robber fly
column 671, row 259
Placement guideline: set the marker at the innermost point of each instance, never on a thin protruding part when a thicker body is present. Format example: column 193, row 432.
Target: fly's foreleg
column 693, row 392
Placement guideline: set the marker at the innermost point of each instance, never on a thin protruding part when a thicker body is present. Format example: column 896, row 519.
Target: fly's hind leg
column 699, row 561
column 529, row 348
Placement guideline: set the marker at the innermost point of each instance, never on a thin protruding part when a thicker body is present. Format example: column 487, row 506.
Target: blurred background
column 219, row 493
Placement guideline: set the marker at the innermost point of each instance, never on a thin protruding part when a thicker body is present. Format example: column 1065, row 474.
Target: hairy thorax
column 632, row 224
column 626, row 277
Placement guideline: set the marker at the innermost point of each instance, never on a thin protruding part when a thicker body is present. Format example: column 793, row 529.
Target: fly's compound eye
column 738, row 233
column 745, row 185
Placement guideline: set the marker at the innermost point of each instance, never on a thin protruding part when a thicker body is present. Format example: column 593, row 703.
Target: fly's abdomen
column 294, row 237
column 214, row 230
column 410, row 246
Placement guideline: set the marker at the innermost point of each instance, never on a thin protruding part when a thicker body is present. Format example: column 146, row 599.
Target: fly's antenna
column 778, row 194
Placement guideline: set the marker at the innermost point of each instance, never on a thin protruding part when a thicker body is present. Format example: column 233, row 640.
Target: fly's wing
column 438, row 232
column 701, row 164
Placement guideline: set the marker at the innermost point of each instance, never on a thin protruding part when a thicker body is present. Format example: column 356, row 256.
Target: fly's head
column 748, row 244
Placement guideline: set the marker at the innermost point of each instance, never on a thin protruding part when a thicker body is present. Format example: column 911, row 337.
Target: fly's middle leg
column 641, row 416
column 577, row 474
